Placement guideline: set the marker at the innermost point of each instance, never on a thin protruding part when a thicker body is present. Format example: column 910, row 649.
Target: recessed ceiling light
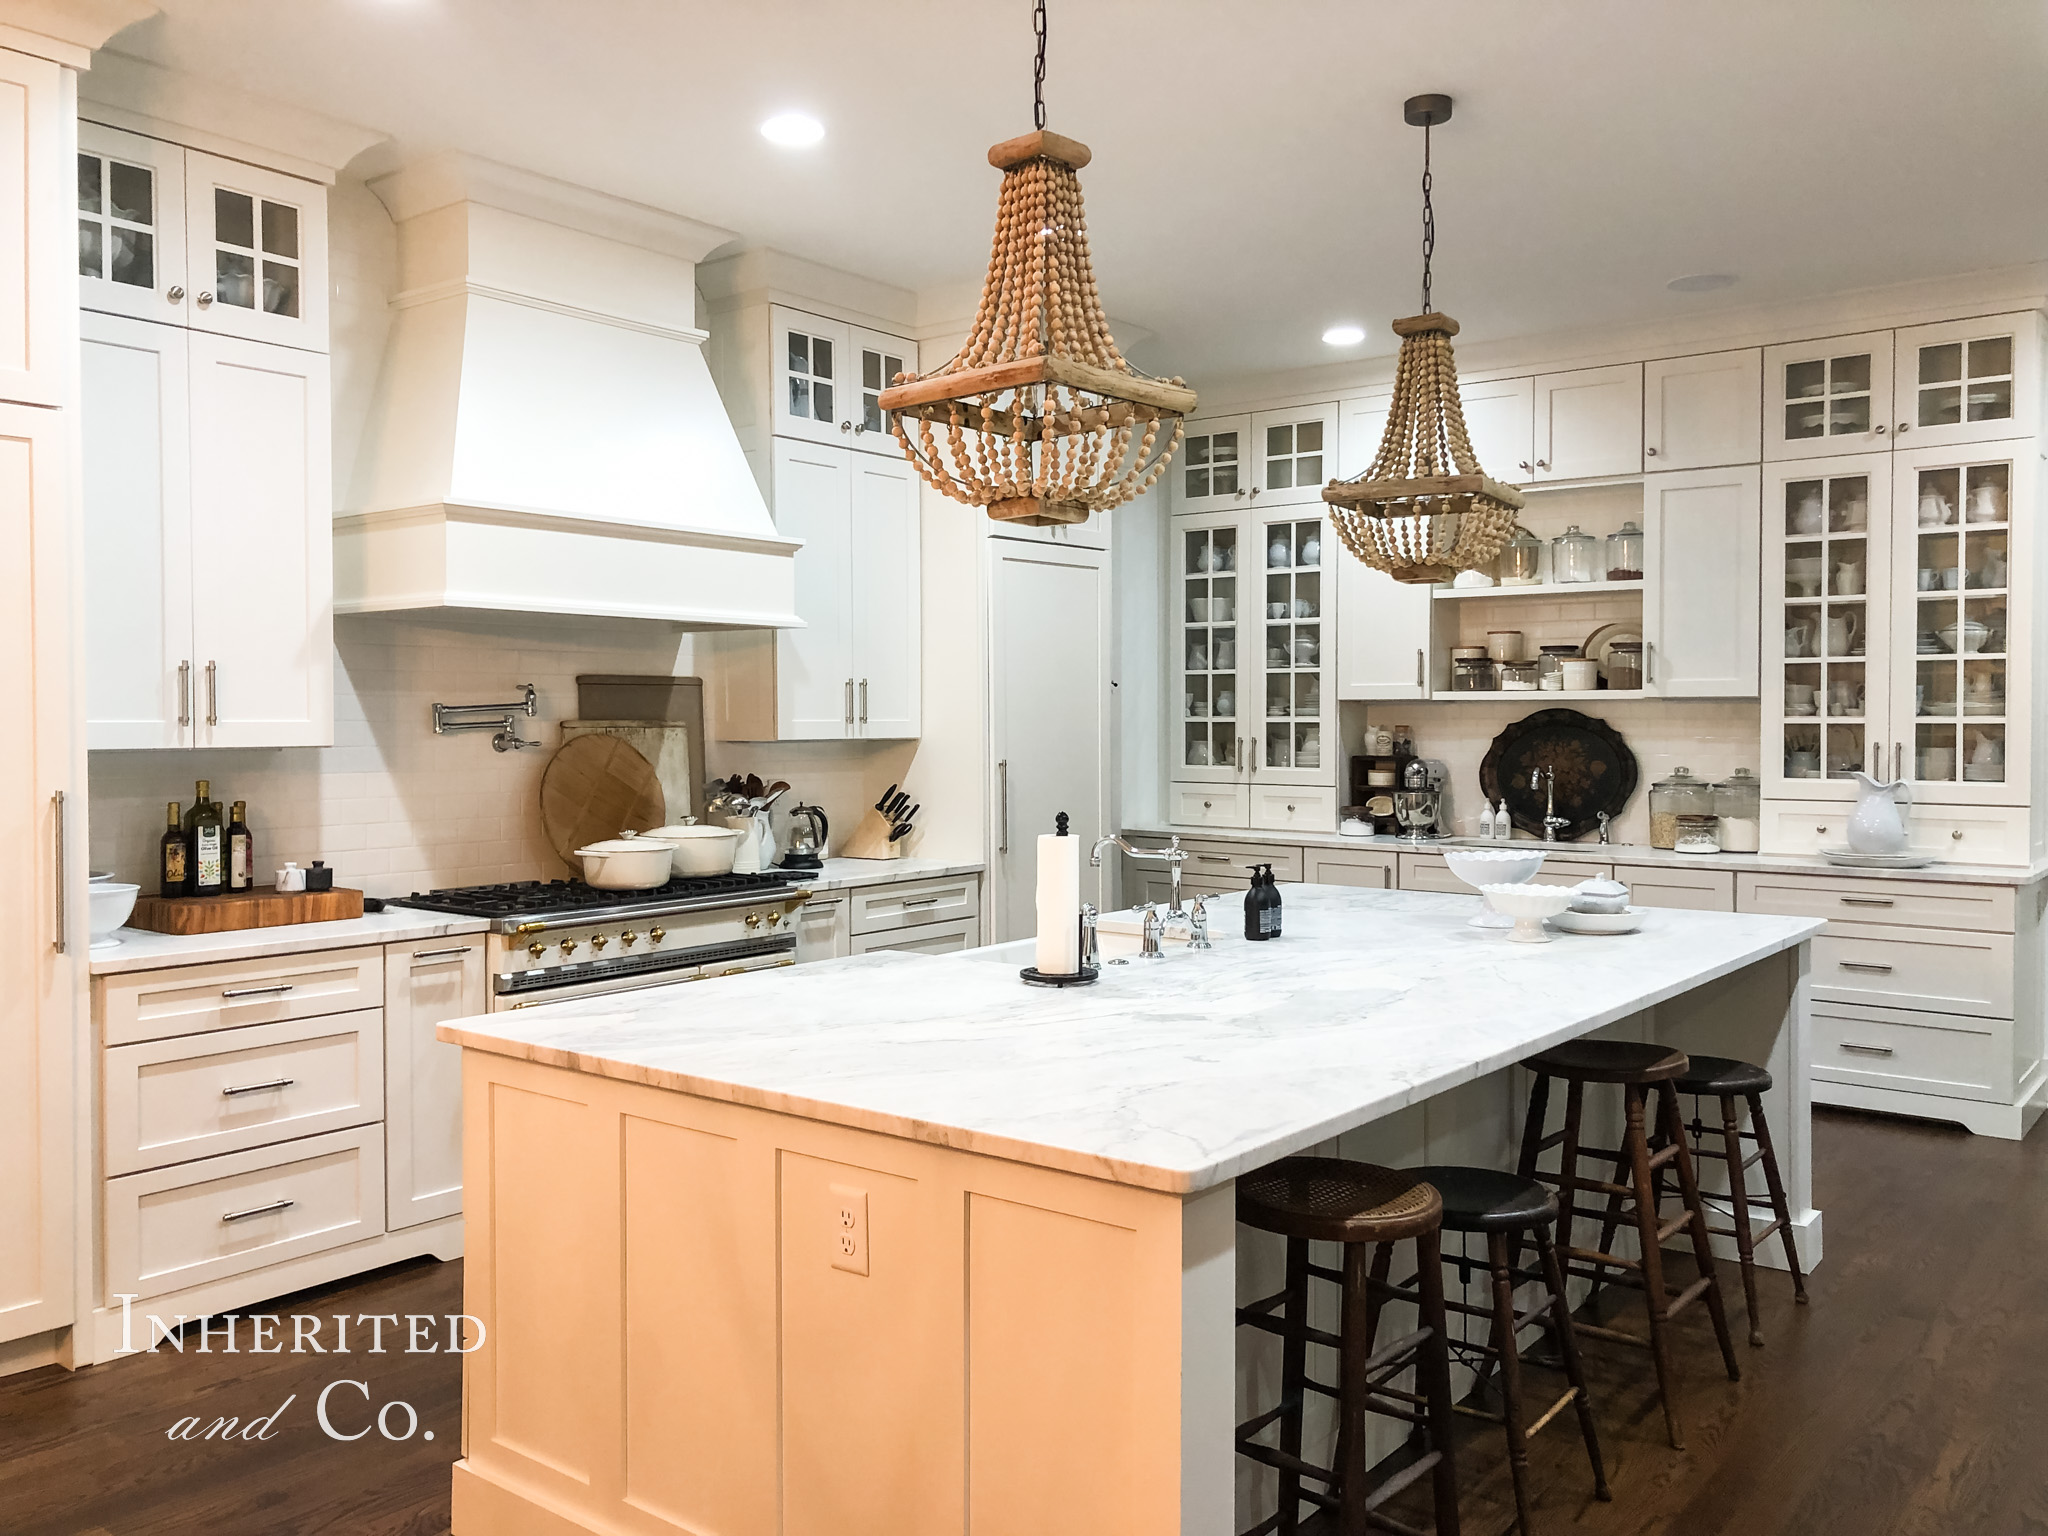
column 1344, row 335
column 793, row 130
column 1701, row 282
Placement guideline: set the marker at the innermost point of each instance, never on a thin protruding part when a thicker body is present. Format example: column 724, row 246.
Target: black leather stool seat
column 1609, row 1061
column 1485, row 1200
column 1723, row 1074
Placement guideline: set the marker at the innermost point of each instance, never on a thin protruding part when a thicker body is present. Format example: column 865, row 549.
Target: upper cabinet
column 829, row 377
column 1704, row 411
column 1829, row 396
column 1702, row 544
column 1500, row 423
column 1382, row 625
column 171, row 234
column 1589, row 423
column 1276, row 458
column 37, row 341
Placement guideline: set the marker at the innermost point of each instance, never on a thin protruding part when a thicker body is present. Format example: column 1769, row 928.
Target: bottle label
column 238, row 860
column 208, row 839
column 174, row 863
column 1269, row 921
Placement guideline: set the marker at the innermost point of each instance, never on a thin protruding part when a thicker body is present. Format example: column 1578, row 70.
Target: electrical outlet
column 849, row 1210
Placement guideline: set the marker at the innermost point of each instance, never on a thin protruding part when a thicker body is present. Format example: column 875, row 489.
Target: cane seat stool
column 1504, row 1207
column 1366, row 1209
column 1644, row 1071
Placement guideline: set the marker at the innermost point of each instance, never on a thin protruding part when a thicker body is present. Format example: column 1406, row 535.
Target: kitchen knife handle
column 1003, row 780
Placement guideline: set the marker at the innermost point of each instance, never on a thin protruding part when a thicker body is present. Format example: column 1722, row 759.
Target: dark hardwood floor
column 1907, row 1400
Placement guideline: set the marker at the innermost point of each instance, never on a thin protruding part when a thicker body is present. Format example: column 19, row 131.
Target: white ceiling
column 1253, row 181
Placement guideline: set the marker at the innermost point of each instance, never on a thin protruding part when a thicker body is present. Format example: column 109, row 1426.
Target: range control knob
column 656, row 935
column 753, row 919
column 568, row 946
column 774, row 919
column 629, row 938
column 536, row 949
column 598, row 942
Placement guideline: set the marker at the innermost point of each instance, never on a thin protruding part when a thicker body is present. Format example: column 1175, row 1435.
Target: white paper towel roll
column 1059, row 905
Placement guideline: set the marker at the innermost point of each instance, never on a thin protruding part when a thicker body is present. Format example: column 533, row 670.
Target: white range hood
column 546, row 436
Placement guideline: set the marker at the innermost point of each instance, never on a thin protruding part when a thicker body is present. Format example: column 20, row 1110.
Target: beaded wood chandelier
column 1038, row 417
column 1425, row 510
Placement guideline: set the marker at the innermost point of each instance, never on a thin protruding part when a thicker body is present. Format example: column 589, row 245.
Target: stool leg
column 1361, row 1317
column 1702, row 1249
column 1434, row 1371
column 1636, row 1142
column 1610, row 1224
column 1503, row 1333
column 1738, row 1197
column 1568, row 1165
column 1776, row 1185
column 1568, row 1350
column 1293, row 1371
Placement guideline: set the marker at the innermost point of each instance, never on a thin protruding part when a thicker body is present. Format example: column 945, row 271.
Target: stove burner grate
column 561, row 898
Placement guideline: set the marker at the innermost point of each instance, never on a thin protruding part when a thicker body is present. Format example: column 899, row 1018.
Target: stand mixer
column 1422, row 802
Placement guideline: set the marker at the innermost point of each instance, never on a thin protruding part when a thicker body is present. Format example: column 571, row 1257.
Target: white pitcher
column 1876, row 826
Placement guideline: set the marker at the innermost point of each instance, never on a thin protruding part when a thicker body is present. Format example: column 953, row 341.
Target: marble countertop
column 844, row 874
column 1624, row 853
column 143, row 951
column 1173, row 1075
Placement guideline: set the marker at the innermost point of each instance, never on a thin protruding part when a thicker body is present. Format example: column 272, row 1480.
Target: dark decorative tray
column 1594, row 768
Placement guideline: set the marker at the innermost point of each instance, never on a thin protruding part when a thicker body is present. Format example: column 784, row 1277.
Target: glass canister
column 1519, row 677
column 1574, row 556
column 1474, row 674
column 1550, row 665
column 1738, row 801
column 1698, row 834
column 1520, row 562
column 1625, row 553
column 1679, row 795
column 1625, row 664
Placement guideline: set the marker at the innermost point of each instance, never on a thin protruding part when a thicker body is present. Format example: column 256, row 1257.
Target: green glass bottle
column 209, row 844
column 174, row 862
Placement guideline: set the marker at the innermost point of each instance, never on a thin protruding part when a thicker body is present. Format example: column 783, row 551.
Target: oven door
column 504, row 999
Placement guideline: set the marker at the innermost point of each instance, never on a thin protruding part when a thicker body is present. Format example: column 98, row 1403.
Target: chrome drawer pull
column 442, row 954
column 920, row 901
column 275, row 1082
column 283, row 986
column 1868, row 901
column 1867, row 1050
column 1871, row 966
column 1212, row 858
column 259, row 1210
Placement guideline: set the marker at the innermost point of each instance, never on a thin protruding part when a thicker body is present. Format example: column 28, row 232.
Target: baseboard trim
column 2007, row 1122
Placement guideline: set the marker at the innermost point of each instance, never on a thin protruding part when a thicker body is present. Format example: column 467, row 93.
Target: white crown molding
column 453, row 177
column 433, row 293
column 67, row 31
column 764, row 275
column 165, row 103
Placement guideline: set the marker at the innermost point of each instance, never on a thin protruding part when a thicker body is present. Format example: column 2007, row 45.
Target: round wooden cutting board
column 596, row 787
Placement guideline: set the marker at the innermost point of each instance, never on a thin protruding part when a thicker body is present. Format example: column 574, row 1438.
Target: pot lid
column 622, row 845
column 1681, row 778
column 1600, row 885
column 688, row 831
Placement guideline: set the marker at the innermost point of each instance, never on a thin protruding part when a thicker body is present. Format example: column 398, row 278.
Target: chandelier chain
column 1428, row 207
column 1038, row 67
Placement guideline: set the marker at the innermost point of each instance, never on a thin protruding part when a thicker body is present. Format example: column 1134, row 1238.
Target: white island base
column 897, row 1245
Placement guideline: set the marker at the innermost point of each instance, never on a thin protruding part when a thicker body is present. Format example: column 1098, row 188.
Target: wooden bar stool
column 1484, row 1200
column 1640, row 1069
column 1367, row 1209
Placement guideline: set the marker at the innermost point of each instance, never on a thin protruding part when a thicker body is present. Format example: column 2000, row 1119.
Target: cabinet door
column 135, row 422
column 1701, row 548
column 1382, row 633
column 37, row 300
column 1211, row 686
column 1215, row 472
column 821, row 929
column 1296, row 734
column 876, row 359
column 131, row 225
column 1699, row 412
column 1589, row 423
column 1296, row 453
column 256, row 252
column 814, row 394
column 1827, row 619
column 1828, row 396
column 262, row 545
column 1963, row 543
column 426, row 984
column 814, row 665
column 1499, row 422
column 887, row 664
column 1969, row 381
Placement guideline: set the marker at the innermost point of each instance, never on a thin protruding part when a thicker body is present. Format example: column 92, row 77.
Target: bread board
column 596, row 787
column 261, row 906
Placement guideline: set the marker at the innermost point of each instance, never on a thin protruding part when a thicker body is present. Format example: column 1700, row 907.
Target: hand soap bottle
column 1269, row 917
column 1255, row 906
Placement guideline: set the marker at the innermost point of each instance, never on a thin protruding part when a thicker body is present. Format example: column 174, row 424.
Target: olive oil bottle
column 241, row 848
column 174, row 857
column 208, row 834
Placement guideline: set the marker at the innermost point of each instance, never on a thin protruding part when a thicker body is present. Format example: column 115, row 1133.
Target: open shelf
column 1541, row 589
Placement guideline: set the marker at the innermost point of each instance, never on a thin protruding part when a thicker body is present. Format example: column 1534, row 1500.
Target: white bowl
column 111, row 902
column 1481, row 867
column 1627, row 920
column 627, row 863
column 700, row 850
column 1528, row 905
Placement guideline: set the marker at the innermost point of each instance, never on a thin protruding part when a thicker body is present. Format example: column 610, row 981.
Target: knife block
column 870, row 839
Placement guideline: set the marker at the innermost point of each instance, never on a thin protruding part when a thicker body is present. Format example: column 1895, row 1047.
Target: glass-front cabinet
column 255, row 252
column 828, row 379
column 1828, row 396
column 1272, row 458
column 131, row 225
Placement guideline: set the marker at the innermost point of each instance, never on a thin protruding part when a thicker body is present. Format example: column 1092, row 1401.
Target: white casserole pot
column 1600, row 895
column 627, row 863
column 700, row 850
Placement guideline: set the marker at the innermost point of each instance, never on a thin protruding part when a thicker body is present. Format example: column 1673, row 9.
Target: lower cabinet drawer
column 1372, row 870
column 1932, row 968
column 1216, row 858
column 169, row 1101
column 1280, row 808
column 182, row 1000
column 1922, row 1053
column 1697, row 890
column 1208, row 805
column 193, row 1223
column 913, row 903
column 1887, row 900
column 1968, row 834
column 926, row 939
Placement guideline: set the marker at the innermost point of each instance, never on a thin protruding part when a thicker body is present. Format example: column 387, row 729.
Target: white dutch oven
column 627, row 863
column 700, row 850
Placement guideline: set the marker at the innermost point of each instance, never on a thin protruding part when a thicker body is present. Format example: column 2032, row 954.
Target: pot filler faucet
column 1172, row 856
column 1545, row 779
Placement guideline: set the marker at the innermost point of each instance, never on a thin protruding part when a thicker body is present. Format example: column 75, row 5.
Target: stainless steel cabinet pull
column 1649, row 661
column 1240, row 754
column 1543, row 463
column 1867, row 1050
column 849, row 701
column 1212, row 858
column 275, row 1082
column 1003, row 778
column 921, row 901
column 1868, row 901
column 60, row 933
column 1255, row 754
column 1522, row 464
column 282, row 986
column 184, row 693
column 1905, row 427
column 213, row 693
column 1872, row 966
column 259, row 1210
column 1418, row 667
column 1880, row 429
column 1898, row 759
column 863, row 701
column 439, row 954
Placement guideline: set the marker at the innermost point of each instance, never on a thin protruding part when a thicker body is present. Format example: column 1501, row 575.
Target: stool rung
column 1598, row 1256
column 1673, row 1227
column 1395, row 1350
column 1280, row 1461
column 1279, row 1327
column 1551, row 1412
column 1756, row 1234
column 1251, row 1427
column 1414, row 1471
column 1554, row 1139
column 1477, row 1413
column 1688, row 1296
column 1317, row 1386
column 1389, row 1411
column 1264, row 1304
column 1334, row 1276
column 1602, row 1185
column 1375, row 1521
column 1266, row 1526
column 1612, row 1335
column 1720, row 1155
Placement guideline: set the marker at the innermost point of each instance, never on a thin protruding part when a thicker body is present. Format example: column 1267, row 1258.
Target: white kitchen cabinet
column 1368, row 869
column 1589, row 423
column 1967, row 381
column 131, row 225
column 927, row 939
column 829, row 376
column 1215, row 472
column 853, row 671
column 37, row 339
column 255, row 252
column 1828, row 396
column 1382, row 625
column 1274, row 458
column 1703, row 411
column 426, row 984
column 821, row 930
column 1500, row 422
column 1702, row 555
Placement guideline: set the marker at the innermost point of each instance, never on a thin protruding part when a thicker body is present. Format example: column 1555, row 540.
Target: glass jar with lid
column 1679, row 795
column 1520, row 562
column 1625, row 553
column 1625, row 664
column 1697, row 834
column 1474, row 674
column 1519, row 677
column 1738, row 801
column 1574, row 556
column 1550, row 665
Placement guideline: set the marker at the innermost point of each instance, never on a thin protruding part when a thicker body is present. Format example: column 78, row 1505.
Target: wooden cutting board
column 596, row 787
column 262, row 906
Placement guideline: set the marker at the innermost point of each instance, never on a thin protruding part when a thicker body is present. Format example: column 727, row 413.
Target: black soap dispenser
column 1269, row 918
column 1253, row 928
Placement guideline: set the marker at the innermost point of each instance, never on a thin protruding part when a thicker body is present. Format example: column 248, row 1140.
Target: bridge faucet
column 1172, row 856
column 1545, row 779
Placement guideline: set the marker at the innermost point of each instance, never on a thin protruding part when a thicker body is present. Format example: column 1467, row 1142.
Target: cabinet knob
column 1651, row 452
column 859, row 427
column 1522, row 464
column 1543, row 463
column 174, row 295
column 205, row 298
column 846, row 426
column 1957, row 835
column 1905, row 426
column 1880, row 429
column 1210, row 806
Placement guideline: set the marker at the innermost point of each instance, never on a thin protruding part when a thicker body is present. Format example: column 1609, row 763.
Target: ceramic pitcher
column 1876, row 826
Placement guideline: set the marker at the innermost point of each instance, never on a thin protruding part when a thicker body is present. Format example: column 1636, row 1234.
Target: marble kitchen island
column 897, row 1244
